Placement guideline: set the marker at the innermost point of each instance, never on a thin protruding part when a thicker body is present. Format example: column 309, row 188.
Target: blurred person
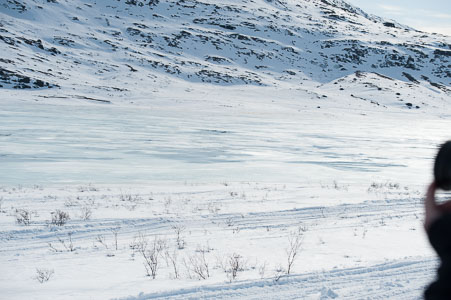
column 437, row 224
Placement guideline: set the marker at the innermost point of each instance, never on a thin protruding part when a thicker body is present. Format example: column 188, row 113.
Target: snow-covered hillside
column 218, row 136
column 122, row 47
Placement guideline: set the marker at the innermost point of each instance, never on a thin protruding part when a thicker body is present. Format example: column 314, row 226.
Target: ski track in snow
column 350, row 213
column 393, row 280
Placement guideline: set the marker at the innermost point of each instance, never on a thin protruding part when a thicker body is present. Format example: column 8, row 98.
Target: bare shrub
column 38, row 187
column 85, row 213
column 126, row 197
column 23, row 216
column 53, row 248
column 279, row 272
column 115, row 232
column 135, row 245
column 235, row 264
column 59, row 217
column 294, row 243
column 199, row 265
column 262, row 270
column 69, row 246
column 162, row 244
column 189, row 273
column 151, row 260
column 179, row 229
column 172, row 257
column 101, row 240
column 150, row 251
column 87, row 188
column 387, row 186
column 167, row 203
column 43, row 275
column 70, row 202
column 231, row 265
column 229, row 222
column 66, row 245
column 130, row 197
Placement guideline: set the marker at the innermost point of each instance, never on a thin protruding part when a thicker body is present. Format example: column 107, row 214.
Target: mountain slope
column 123, row 46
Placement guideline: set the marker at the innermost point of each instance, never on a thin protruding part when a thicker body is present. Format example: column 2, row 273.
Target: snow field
column 253, row 220
column 237, row 181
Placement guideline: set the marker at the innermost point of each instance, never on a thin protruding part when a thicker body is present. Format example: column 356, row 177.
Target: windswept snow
column 267, row 138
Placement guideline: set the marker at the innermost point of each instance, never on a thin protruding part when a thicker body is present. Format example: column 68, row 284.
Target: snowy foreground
column 354, row 248
column 220, row 193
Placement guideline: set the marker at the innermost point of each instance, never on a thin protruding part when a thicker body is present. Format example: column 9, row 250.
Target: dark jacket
column 439, row 235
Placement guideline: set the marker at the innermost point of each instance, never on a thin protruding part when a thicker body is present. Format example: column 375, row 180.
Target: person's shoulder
column 439, row 233
column 442, row 223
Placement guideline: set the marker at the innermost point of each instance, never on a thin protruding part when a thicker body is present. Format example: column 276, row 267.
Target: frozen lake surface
column 51, row 143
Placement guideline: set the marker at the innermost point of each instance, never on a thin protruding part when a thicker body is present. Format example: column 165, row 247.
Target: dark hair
column 442, row 167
